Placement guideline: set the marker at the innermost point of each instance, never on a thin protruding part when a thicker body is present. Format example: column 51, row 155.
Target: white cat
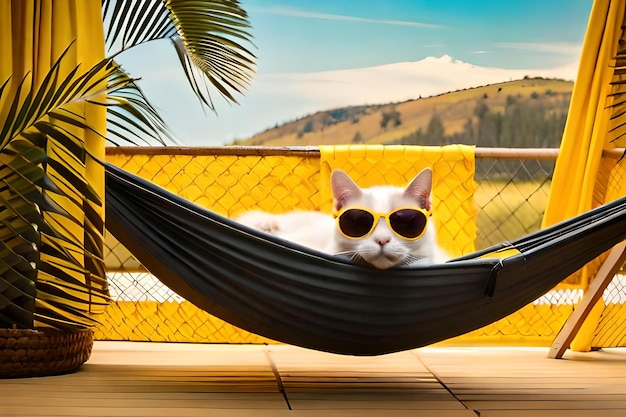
column 362, row 227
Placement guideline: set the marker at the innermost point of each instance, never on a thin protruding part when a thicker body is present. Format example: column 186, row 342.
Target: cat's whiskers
column 352, row 255
column 409, row 259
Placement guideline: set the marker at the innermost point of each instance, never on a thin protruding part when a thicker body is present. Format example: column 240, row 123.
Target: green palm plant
column 48, row 276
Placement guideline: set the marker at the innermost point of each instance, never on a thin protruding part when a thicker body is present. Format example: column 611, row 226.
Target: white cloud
column 389, row 83
column 306, row 14
column 560, row 48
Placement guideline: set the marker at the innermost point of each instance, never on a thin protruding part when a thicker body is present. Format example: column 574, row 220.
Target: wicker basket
column 27, row 353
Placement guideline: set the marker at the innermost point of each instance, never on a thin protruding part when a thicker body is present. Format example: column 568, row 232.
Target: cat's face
column 382, row 248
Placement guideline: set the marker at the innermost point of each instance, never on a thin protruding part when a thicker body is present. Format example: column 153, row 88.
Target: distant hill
column 523, row 113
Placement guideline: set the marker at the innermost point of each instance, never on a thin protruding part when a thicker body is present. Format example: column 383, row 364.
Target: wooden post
column 612, row 264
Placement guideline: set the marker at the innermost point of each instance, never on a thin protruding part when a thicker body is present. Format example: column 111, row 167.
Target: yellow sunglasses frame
column 377, row 216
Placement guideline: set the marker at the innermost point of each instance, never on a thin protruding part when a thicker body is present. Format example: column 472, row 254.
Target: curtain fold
column 33, row 35
column 582, row 177
column 586, row 132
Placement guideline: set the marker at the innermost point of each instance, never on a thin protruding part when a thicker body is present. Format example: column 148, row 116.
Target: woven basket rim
column 38, row 332
column 38, row 352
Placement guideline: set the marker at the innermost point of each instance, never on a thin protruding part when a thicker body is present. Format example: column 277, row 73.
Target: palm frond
column 19, row 239
column 105, row 79
column 43, row 186
column 208, row 37
column 131, row 117
column 50, row 264
column 130, row 23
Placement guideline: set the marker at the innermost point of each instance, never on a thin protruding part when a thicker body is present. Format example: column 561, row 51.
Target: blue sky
column 310, row 52
column 305, row 36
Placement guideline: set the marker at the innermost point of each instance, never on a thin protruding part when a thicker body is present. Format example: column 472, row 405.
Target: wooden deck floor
column 152, row 379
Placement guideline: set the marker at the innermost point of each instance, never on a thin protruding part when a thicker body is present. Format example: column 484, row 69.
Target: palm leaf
column 208, row 37
column 130, row 116
column 42, row 277
column 19, row 242
column 132, row 23
column 50, row 271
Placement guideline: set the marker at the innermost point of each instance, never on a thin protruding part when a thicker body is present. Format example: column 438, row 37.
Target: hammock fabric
column 294, row 295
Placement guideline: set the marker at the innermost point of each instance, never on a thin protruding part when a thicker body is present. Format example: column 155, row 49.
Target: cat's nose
column 382, row 240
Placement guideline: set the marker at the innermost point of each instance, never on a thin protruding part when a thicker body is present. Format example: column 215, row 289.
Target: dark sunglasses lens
column 355, row 222
column 408, row 223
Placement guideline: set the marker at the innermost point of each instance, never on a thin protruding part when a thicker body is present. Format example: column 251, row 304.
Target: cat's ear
column 344, row 189
column 420, row 188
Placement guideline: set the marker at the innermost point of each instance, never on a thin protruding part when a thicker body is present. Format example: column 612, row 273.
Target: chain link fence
column 511, row 194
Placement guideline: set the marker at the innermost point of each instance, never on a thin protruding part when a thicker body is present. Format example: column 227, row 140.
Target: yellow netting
column 227, row 184
column 168, row 321
column 536, row 324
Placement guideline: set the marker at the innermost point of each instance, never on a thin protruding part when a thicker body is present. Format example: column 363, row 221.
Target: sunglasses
column 406, row 222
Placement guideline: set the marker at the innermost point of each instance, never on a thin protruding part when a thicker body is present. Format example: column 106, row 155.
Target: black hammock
column 294, row 295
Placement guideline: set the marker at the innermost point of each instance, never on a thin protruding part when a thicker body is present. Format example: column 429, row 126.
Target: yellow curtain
column 586, row 132
column 33, row 34
column 581, row 175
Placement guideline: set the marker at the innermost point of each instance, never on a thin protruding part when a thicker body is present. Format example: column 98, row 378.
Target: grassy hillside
column 486, row 116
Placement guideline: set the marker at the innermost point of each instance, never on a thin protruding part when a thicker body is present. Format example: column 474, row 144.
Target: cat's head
column 382, row 248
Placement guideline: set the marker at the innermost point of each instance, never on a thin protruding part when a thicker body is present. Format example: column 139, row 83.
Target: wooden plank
column 369, row 402
column 28, row 411
column 612, row 264
column 32, row 411
column 300, row 151
column 387, row 413
column 233, row 381
column 322, row 381
column 274, row 402
column 551, row 413
column 549, row 405
column 496, row 384
column 313, row 151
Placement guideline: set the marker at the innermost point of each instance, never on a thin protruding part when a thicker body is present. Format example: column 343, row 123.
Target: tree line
column 525, row 122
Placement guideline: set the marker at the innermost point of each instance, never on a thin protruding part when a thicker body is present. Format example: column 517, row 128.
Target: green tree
column 469, row 132
column 435, row 131
column 415, row 138
column 489, row 126
column 392, row 116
